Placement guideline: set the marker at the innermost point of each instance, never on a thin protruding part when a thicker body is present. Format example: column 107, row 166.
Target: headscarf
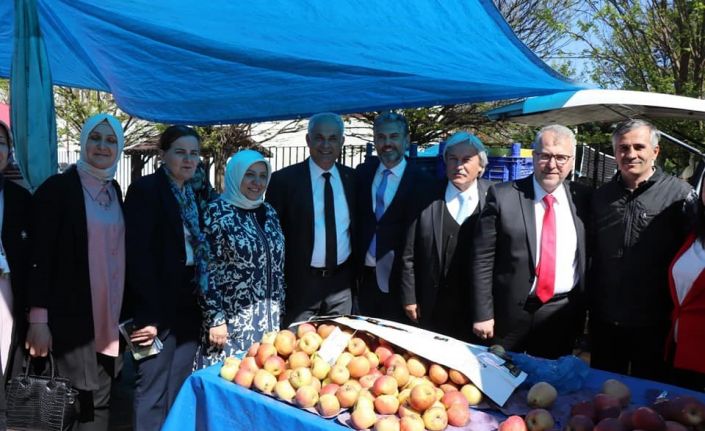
column 82, row 164
column 235, row 170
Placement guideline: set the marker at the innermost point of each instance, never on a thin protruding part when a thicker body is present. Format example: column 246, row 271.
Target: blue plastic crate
column 508, row 168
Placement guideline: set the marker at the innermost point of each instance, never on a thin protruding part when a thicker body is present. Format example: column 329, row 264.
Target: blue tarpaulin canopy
column 226, row 61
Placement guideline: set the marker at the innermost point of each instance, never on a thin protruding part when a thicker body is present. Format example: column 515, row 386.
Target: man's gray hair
column 627, row 126
column 326, row 116
column 475, row 143
column 559, row 130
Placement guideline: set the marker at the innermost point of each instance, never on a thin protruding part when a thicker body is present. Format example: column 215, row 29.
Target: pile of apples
column 610, row 410
column 386, row 388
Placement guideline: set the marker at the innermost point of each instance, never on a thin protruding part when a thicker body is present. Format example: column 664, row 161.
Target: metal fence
column 283, row 156
column 594, row 165
column 123, row 175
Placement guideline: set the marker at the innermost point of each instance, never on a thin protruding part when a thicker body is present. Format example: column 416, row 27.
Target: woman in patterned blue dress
column 245, row 294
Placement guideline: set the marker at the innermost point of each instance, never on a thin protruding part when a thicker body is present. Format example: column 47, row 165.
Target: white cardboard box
column 484, row 369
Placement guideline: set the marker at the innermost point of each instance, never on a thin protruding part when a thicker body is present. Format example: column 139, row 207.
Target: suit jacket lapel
column 307, row 201
column 579, row 228
column 404, row 188
column 525, row 194
column 437, row 223
column 482, row 187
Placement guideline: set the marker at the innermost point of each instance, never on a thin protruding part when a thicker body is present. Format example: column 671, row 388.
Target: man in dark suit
column 315, row 202
column 391, row 193
column 528, row 254
column 434, row 281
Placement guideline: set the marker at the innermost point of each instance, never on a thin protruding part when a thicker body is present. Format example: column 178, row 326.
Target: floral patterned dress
column 245, row 278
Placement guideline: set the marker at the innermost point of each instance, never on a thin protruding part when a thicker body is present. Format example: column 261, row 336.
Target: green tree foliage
column 648, row 45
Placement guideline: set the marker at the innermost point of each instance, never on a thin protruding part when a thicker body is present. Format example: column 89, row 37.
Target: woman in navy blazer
column 685, row 347
column 165, row 262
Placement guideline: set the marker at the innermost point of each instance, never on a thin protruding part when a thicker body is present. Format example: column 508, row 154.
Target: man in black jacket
column 528, row 254
column 639, row 223
column 390, row 194
column 434, row 282
column 315, row 200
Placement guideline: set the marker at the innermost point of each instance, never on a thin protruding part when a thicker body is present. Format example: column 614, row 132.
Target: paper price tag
column 333, row 346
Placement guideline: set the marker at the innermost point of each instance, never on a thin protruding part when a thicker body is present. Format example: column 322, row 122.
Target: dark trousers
column 160, row 377
column 637, row 351
column 95, row 405
column 320, row 294
column 547, row 330
column 372, row 302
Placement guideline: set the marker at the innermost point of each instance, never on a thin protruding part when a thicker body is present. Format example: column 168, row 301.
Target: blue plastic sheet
column 566, row 374
column 226, row 61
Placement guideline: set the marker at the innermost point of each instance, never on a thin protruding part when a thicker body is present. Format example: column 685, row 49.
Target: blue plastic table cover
column 209, row 403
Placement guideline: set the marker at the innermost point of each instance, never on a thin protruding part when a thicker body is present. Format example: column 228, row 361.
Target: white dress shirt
column 686, row 270
column 342, row 215
column 461, row 205
column 566, row 238
column 393, row 181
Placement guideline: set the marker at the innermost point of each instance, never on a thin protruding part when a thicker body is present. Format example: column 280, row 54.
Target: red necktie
column 546, row 271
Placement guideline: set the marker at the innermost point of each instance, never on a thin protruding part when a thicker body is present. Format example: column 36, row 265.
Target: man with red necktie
column 528, row 255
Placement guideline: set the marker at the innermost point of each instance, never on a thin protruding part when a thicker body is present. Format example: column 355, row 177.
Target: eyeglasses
column 561, row 159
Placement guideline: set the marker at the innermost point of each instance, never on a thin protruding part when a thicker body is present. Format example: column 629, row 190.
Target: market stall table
column 207, row 402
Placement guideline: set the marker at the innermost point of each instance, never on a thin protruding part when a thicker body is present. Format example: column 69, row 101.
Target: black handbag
column 40, row 402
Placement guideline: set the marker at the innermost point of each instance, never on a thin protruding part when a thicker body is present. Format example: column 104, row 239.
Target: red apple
column 299, row 359
column 358, row 367
column 328, row 405
column 513, row 423
column 383, row 353
column 265, row 381
column 399, row 372
column 244, row 377
column 387, row 423
column 306, row 396
column 285, row 342
column 347, row 395
column 275, row 365
column 252, row 351
column 585, row 408
column 606, row 406
column 455, row 397
column 458, row 415
column 421, row 397
column 435, row 419
column 458, row 378
column 386, row 404
column 647, row 419
column 357, row 346
column 416, row 366
column 579, row 423
column 609, row 424
column 411, row 423
column 437, row 374
column 339, row 374
column 304, row 328
column 385, row 385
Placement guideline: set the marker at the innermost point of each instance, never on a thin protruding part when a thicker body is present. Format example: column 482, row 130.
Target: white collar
column 559, row 193
column 397, row 171
column 317, row 171
column 452, row 192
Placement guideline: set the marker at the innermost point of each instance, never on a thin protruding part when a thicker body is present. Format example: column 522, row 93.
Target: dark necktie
column 546, row 271
column 329, row 211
